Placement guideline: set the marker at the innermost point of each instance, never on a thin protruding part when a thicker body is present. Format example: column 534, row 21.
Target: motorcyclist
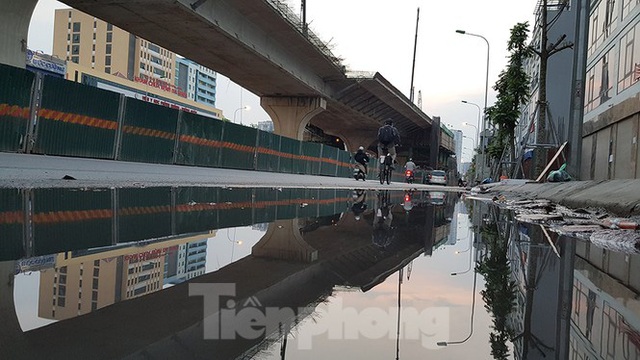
column 359, row 203
column 410, row 165
column 362, row 159
column 389, row 137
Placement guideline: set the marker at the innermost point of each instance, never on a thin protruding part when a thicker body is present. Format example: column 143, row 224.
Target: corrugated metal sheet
column 238, row 146
column 264, row 212
column 327, row 199
column 289, row 161
column 310, row 198
column 71, row 219
column 345, row 164
column 237, row 210
column 196, row 209
column 199, row 141
column 148, row 133
column 12, row 220
column 76, row 120
column 15, row 97
column 329, row 160
column 288, row 205
column 311, row 153
column 267, row 151
column 143, row 213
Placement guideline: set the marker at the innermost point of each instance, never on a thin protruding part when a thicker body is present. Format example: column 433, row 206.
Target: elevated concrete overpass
column 262, row 46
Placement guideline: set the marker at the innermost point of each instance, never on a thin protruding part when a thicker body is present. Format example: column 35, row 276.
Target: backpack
column 385, row 134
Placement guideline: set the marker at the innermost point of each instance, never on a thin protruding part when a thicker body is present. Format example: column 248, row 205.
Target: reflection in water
column 113, row 256
column 572, row 299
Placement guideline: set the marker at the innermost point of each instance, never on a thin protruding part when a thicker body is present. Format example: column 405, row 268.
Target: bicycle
column 386, row 161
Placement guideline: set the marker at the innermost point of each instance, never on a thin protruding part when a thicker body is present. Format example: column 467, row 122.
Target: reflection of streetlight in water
column 473, row 307
column 470, row 255
column 234, row 242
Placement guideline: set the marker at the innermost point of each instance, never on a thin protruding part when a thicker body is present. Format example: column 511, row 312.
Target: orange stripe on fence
column 71, row 118
column 135, row 130
column 14, row 111
column 11, row 217
column 200, row 141
column 71, row 216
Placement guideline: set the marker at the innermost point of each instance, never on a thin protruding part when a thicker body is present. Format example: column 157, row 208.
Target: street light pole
column 486, row 88
column 479, row 116
column 473, row 307
column 246, row 107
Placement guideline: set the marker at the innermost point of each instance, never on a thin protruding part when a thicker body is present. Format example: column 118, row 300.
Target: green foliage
column 513, row 91
column 499, row 294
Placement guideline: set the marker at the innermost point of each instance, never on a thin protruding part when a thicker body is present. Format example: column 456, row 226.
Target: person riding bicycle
column 362, row 159
column 383, row 232
column 389, row 137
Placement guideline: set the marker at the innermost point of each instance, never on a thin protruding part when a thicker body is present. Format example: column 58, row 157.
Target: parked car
column 436, row 177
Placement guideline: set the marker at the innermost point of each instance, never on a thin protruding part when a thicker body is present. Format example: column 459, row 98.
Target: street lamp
column 470, row 256
column 473, row 307
column 246, row 107
column 472, row 139
column 479, row 117
column 486, row 84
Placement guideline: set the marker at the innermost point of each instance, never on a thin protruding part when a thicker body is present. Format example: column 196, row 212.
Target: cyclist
column 389, row 137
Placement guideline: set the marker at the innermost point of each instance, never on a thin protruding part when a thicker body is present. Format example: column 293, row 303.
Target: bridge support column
column 14, row 29
column 10, row 330
column 283, row 241
column 290, row 115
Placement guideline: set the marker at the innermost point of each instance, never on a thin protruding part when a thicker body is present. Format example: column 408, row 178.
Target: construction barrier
column 72, row 119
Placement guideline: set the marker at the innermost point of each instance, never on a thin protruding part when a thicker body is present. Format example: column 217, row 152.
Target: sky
column 372, row 35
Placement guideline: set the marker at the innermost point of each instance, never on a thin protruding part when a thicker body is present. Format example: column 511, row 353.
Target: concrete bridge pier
column 290, row 115
column 10, row 330
column 283, row 241
column 14, row 29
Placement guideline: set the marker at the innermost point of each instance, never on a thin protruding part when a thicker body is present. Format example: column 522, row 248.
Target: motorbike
column 359, row 174
column 409, row 177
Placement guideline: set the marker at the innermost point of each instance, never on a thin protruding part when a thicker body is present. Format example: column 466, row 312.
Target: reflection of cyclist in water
column 359, row 203
column 382, row 229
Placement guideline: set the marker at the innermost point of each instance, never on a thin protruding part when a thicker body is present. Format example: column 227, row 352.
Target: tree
column 513, row 92
column 544, row 52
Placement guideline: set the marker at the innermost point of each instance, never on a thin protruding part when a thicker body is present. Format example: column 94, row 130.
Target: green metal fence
column 199, row 141
column 148, row 133
column 143, row 213
column 267, row 152
column 62, row 218
column 196, row 209
column 15, row 97
column 12, row 221
column 76, row 120
column 238, row 146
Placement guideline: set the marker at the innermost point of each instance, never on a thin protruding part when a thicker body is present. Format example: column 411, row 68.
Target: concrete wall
column 610, row 143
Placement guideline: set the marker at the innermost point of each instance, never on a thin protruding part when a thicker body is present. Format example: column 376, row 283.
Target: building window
column 107, row 60
column 93, row 59
column 68, row 37
column 109, row 37
column 75, row 50
column 107, row 70
column 95, row 24
column 94, row 36
column 629, row 59
column 109, row 27
column 61, row 302
column 76, row 38
column 76, row 27
column 93, row 47
column 69, row 14
column 69, row 26
column 96, row 272
column 108, row 50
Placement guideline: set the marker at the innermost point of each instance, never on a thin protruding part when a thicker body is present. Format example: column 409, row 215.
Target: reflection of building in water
column 605, row 316
column 82, row 282
column 260, row 227
column 187, row 262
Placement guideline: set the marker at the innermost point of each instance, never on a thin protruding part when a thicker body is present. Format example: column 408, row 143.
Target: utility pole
column 413, row 66
column 303, row 5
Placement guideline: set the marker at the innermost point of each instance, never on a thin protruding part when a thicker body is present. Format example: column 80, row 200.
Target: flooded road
column 223, row 273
